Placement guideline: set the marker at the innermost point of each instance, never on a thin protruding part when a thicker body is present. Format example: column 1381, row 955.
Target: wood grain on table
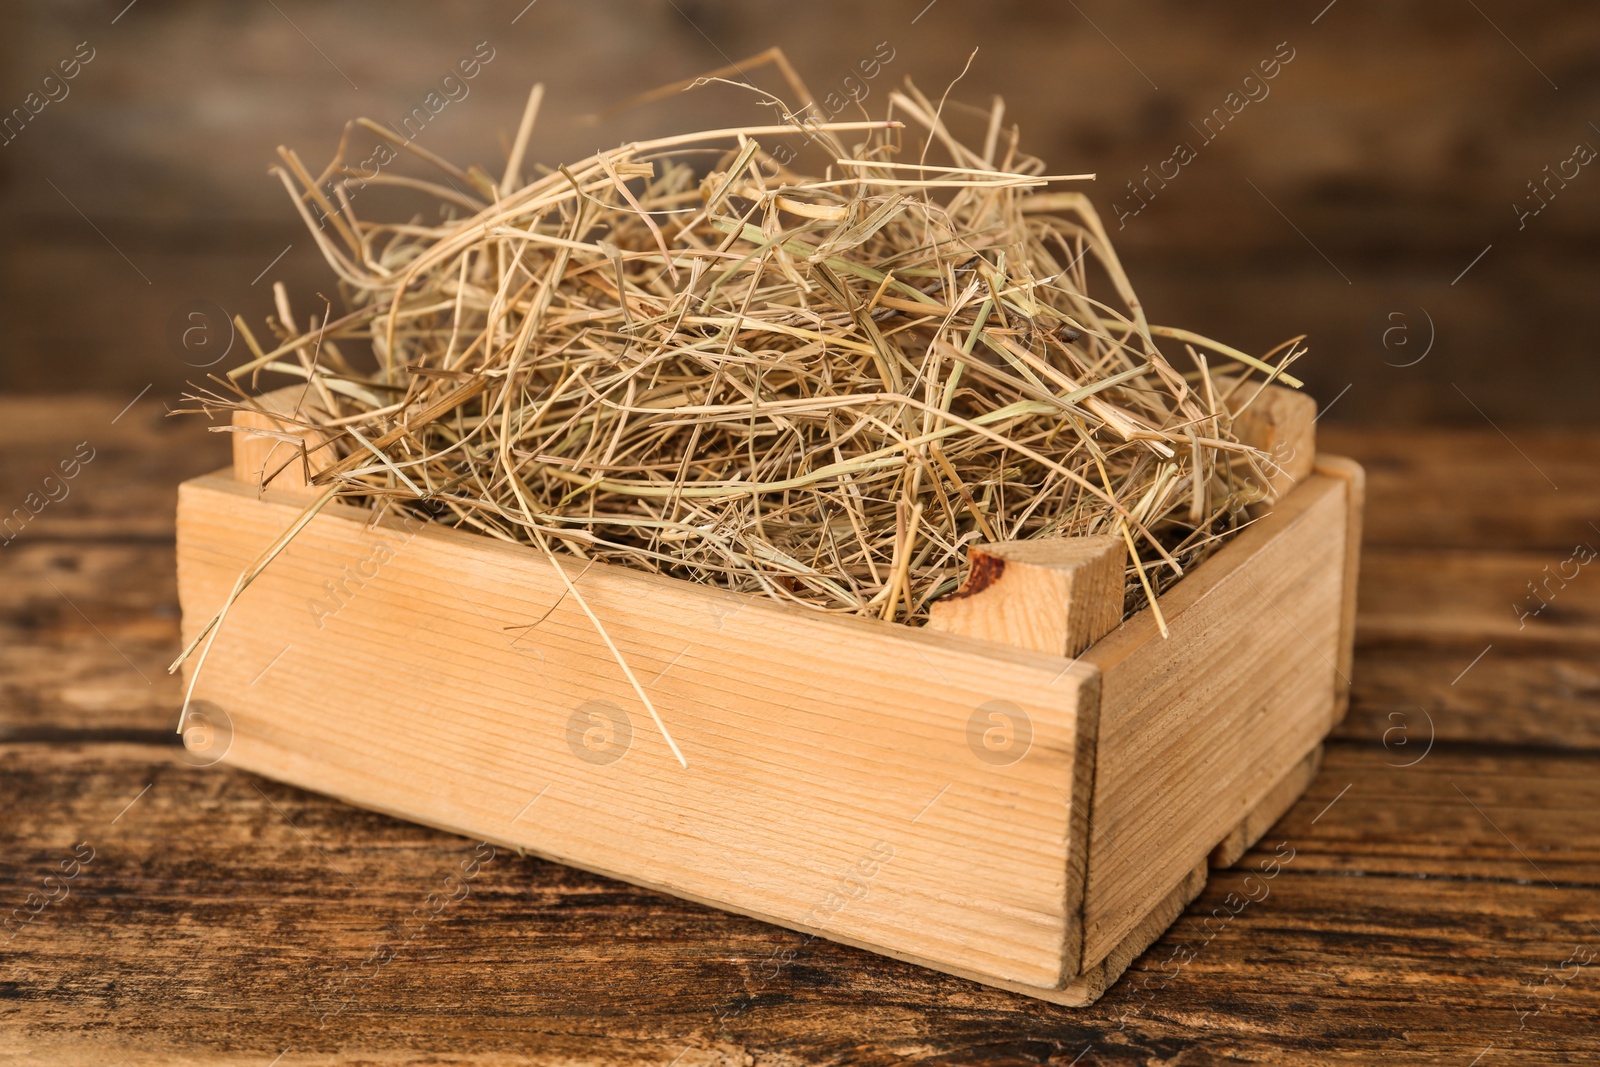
column 1433, row 898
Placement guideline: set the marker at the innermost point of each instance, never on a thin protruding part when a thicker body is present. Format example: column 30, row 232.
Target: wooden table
column 1442, row 903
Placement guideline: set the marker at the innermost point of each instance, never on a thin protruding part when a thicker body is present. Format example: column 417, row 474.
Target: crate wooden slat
column 1197, row 729
column 1010, row 815
column 444, row 690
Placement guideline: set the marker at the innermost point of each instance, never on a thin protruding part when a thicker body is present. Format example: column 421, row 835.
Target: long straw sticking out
column 644, row 698
column 513, row 175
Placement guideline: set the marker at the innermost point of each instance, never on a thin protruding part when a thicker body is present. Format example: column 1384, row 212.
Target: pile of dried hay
column 820, row 388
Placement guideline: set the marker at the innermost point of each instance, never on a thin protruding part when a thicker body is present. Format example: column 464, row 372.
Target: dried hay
column 685, row 357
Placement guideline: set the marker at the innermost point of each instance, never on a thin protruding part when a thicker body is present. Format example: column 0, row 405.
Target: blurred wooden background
column 1351, row 200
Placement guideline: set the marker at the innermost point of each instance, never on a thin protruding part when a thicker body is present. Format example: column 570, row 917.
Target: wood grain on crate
column 1198, row 728
column 1055, row 595
column 1062, row 595
column 822, row 751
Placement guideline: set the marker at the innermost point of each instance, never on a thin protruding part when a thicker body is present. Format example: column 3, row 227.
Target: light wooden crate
column 974, row 796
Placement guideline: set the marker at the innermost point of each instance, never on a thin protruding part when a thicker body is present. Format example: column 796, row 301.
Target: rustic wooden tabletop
column 1442, row 902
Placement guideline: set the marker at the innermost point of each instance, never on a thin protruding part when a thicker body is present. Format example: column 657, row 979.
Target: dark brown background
column 1386, row 158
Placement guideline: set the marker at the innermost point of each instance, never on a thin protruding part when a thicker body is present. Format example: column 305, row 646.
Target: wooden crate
column 973, row 796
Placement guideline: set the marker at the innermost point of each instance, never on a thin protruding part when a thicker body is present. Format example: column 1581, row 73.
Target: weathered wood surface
column 1426, row 908
column 1475, row 489
column 87, row 629
column 88, row 597
column 130, row 461
column 1458, row 524
column 229, row 918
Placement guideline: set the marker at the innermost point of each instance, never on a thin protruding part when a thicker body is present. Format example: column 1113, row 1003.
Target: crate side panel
column 843, row 776
column 1355, row 482
column 1197, row 728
